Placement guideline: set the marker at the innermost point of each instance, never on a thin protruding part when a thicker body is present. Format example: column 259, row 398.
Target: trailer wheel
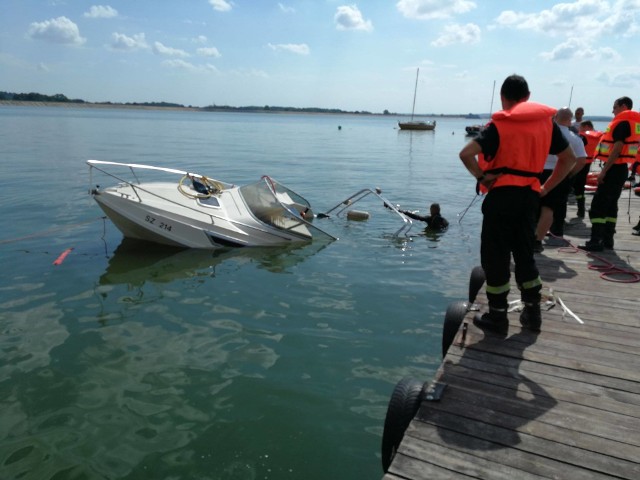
column 475, row 282
column 403, row 406
column 456, row 312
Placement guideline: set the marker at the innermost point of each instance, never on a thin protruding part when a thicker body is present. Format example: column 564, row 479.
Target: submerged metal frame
column 356, row 197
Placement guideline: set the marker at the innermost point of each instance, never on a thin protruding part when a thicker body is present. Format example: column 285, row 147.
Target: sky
column 323, row 53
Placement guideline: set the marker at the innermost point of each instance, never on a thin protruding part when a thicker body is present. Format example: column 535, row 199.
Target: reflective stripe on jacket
column 630, row 147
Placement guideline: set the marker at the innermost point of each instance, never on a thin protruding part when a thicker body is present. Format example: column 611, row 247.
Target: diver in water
column 434, row 220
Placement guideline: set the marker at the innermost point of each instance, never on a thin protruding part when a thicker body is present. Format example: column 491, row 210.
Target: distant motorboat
column 473, row 130
column 416, row 124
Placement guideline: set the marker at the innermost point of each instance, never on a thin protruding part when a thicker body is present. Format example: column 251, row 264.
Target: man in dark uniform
column 514, row 145
column 618, row 146
column 434, row 221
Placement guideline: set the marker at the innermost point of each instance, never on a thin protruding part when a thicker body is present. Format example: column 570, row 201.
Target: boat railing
column 356, row 197
column 135, row 187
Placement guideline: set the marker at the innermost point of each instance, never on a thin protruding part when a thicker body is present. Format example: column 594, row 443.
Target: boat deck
column 563, row 404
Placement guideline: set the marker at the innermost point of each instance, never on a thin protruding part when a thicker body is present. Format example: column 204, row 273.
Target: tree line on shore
column 60, row 98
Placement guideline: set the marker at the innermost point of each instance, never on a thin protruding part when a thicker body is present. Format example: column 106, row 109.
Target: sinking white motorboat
column 195, row 211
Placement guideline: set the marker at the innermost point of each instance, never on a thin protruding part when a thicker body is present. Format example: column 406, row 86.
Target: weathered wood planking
column 563, row 404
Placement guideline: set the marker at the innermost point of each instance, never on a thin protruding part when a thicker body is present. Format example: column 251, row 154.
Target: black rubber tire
column 403, row 406
column 475, row 282
column 456, row 312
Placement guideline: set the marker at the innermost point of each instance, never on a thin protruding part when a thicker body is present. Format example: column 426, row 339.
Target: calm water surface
column 133, row 362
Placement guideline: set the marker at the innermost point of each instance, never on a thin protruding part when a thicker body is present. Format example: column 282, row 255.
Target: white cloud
column 589, row 18
column 221, row 5
column 57, row 30
column 580, row 49
column 209, row 52
column 161, row 49
column 101, row 11
column 124, row 42
column 430, row 9
column 179, row 64
column 285, row 9
column 629, row 79
column 456, row 34
column 200, row 39
column 300, row 48
column 349, row 17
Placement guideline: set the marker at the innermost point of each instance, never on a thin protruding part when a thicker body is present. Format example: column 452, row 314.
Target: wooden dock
column 564, row 404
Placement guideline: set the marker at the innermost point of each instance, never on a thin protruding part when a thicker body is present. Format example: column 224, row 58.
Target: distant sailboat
column 474, row 130
column 416, row 125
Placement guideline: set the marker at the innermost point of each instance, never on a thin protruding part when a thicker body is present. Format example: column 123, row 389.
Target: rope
column 464, row 212
column 609, row 271
column 213, row 187
column 51, row 230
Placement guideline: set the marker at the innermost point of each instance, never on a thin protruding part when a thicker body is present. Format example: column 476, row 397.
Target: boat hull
column 189, row 222
column 417, row 125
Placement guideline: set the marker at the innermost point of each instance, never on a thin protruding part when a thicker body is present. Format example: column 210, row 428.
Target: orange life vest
column 525, row 134
column 630, row 147
column 593, row 138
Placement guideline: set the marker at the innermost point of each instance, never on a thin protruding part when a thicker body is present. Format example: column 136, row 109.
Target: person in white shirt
column 553, row 207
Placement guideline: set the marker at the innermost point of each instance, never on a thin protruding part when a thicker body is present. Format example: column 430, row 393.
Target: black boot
column 530, row 318
column 637, row 227
column 595, row 244
column 495, row 320
column 609, row 232
column 580, row 213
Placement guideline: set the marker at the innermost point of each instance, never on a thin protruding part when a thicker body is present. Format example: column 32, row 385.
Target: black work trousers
column 510, row 215
column 604, row 206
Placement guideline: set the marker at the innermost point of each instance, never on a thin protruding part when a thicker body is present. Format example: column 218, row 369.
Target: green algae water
column 132, row 361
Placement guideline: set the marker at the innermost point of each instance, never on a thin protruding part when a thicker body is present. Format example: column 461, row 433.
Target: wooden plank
column 507, row 432
column 563, row 404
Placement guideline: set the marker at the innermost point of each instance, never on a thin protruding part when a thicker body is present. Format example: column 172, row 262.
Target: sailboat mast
column 415, row 90
column 570, row 96
column 493, row 92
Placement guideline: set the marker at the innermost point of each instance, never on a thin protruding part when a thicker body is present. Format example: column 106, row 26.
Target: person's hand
column 601, row 176
column 488, row 180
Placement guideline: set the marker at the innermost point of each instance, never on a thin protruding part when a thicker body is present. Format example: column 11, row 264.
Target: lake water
column 133, row 362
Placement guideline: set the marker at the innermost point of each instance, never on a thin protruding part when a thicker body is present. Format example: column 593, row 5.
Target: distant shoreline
column 275, row 111
column 22, row 103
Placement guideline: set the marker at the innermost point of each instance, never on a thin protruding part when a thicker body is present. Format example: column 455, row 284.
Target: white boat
column 416, row 124
column 195, row 211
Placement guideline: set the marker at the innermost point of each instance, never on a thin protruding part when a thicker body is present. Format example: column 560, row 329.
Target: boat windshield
column 278, row 206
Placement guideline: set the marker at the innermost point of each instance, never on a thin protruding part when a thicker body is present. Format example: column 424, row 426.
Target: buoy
column 62, row 256
column 357, row 215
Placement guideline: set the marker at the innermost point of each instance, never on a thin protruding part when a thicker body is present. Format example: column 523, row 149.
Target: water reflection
column 136, row 262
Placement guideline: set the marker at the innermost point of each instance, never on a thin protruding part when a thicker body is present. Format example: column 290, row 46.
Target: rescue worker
column 590, row 138
column 434, row 221
column 618, row 145
column 514, row 145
